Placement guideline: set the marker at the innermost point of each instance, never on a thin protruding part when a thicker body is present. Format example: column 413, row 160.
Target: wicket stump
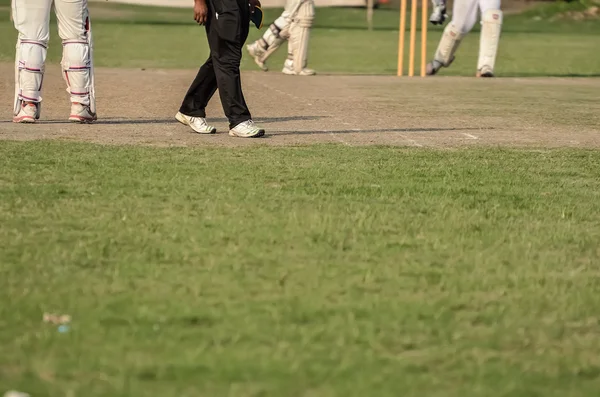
column 413, row 37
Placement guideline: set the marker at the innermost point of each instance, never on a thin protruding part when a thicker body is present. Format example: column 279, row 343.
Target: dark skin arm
column 200, row 11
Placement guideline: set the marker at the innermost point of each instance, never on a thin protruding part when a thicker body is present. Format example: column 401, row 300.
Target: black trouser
column 227, row 34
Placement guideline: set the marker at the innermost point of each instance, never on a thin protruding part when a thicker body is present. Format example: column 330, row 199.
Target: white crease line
column 469, row 135
column 411, row 141
column 339, row 139
column 286, row 93
column 414, row 143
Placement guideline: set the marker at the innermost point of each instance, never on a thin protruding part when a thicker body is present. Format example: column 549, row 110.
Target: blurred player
column 293, row 25
column 464, row 16
column 32, row 19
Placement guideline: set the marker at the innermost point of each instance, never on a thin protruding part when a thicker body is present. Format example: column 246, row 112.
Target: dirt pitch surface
column 137, row 107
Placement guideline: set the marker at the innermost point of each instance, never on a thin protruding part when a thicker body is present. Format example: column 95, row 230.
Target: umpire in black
column 227, row 25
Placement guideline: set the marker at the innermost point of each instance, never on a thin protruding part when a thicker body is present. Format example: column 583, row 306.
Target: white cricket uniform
column 465, row 13
column 32, row 20
column 293, row 25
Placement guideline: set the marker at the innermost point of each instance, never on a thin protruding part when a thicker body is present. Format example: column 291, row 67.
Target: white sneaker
column 82, row 114
column 485, row 71
column 27, row 114
column 247, row 129
column 256, row 53
column 198, row 124
column 288, row 68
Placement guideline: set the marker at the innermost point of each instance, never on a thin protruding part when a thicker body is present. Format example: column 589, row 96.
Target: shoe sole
column 257, row 135
column 292, row 73
column 81, row 120
column 179, row 117
column 24, row 120
column 431, row 72
column 487, row 73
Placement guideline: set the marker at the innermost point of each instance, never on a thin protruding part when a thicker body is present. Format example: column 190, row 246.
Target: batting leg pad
column 300, row 34
column 76, row 64
column 29, row 71
column 448, row 45
column 491, row 27
column 277, row 33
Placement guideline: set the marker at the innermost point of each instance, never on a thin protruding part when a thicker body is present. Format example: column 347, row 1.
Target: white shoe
column 288, row 68
column 303, row 72
column 256, row 53
column 485, row 71
column 434, row 66
column 247, row 129
column 82, row 114
column 27, row 114
column 198, row 124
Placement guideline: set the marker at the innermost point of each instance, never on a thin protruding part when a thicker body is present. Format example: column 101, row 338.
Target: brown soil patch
column 137, row 107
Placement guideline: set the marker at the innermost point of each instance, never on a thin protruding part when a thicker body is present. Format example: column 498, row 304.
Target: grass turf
column 321, row 271
column 534, row 43
column 307, row 271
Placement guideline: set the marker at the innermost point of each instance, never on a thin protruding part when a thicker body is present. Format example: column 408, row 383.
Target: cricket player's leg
column 491, row 27
column 302, row 21
column 77, row 58
column 193, row 108
column 226, row 49
column 276, row 34
column 464, row 16
column 31, row 19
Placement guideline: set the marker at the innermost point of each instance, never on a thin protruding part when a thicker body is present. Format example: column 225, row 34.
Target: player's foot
column 288, row 68
column 433, row 67
column 27, row 114
column 256, row 53
column 198, row 124
column 438, row 16
column 485, row 71
column 303, row 72
column 247, row 129
column 81, row 114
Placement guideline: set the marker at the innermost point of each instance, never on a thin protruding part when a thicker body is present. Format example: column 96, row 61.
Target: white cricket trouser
column 465, row 12
column 32, row 19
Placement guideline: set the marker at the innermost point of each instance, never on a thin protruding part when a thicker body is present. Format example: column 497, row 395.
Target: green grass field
column 321, row 271
column 310, row 271
column 533, row 44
